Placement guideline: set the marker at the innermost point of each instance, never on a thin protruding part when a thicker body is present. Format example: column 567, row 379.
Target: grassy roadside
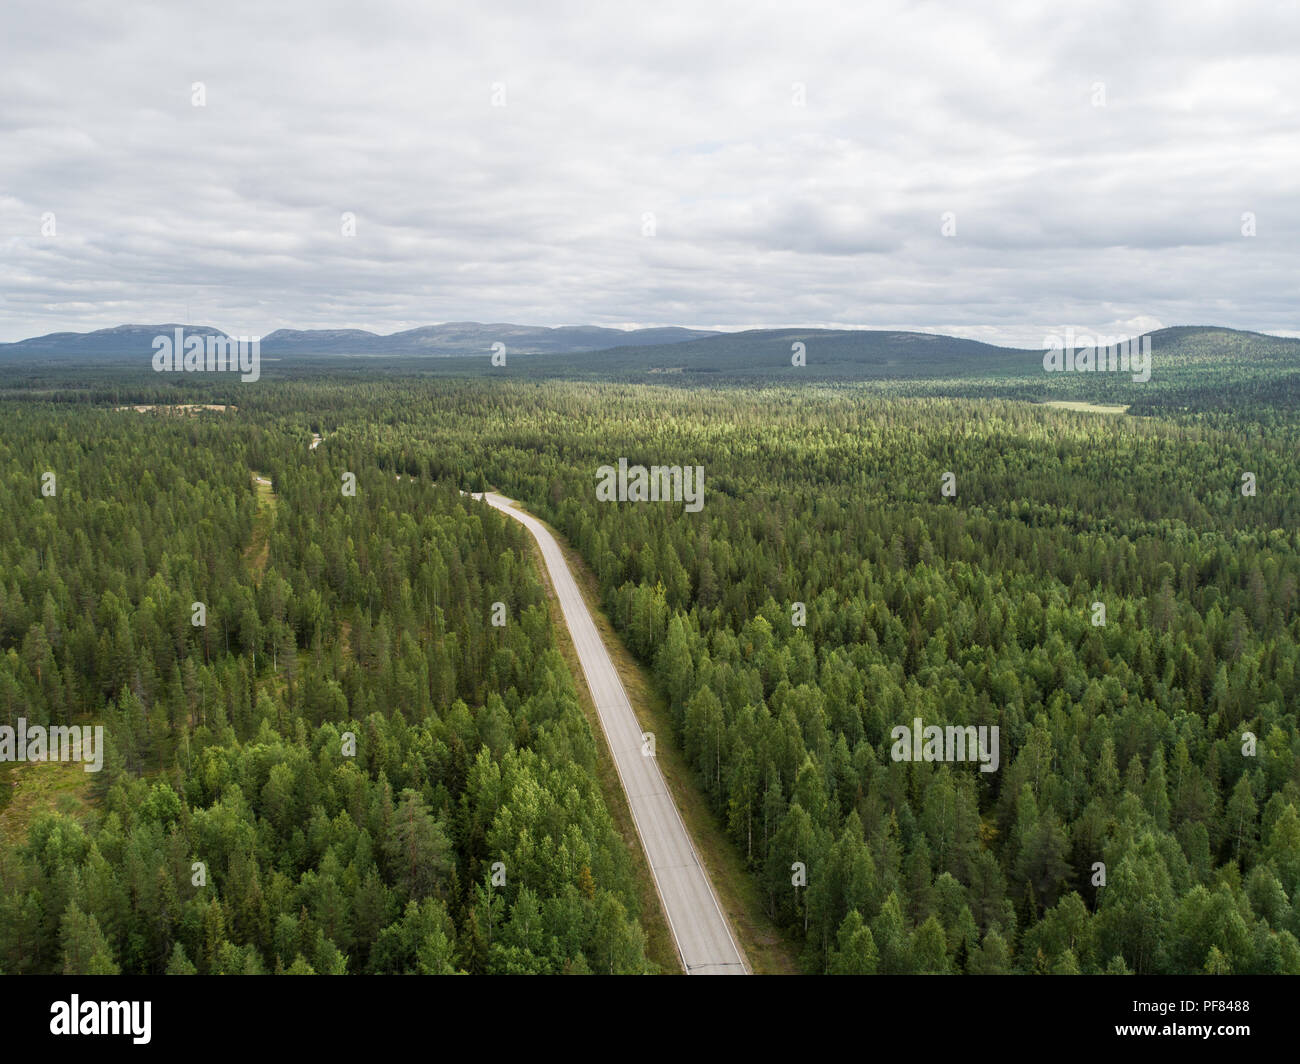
column 766, row 949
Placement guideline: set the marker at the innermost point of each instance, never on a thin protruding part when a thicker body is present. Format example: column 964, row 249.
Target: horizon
column 631, row 328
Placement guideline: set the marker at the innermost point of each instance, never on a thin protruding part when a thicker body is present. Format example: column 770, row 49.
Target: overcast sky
column 701, row 163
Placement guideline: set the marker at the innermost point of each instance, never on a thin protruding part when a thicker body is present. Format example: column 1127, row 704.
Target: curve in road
column 703, row 937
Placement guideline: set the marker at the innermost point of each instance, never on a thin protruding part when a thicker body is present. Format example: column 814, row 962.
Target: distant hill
column 118, row 342
column 1190, row 354
column 463, row 338
column 1193, row 366
column 841, row 353
column 583, row 349
column 1189, row 345
column 468, row 338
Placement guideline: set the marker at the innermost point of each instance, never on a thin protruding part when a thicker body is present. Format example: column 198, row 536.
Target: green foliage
column 1121, row 744
column 226, row 742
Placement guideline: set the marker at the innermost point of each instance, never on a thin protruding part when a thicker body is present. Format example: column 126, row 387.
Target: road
column 704, row 939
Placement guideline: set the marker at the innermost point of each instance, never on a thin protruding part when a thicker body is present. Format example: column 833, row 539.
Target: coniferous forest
column 323, row 776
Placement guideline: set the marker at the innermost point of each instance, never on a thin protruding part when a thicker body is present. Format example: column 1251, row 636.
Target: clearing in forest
column 259, row 547
column 30, row 789
column 1086, row 408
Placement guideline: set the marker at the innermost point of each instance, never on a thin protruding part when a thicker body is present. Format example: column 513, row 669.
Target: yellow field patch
column 1086, row 408
column 180, row 408
column 31, row 788
column 259, row 549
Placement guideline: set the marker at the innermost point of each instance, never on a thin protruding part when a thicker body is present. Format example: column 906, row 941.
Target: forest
column 328, row 616
column 1123, row 742
column 1145, row 816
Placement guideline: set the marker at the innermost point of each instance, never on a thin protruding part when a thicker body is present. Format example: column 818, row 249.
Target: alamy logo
column 102, row 1017
column 57, row 743
column 950, row 743
column 656, row 484
column 179, row 353
column 1100, row 354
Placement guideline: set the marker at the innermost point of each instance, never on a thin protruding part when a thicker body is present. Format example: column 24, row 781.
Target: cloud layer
column 714, row 165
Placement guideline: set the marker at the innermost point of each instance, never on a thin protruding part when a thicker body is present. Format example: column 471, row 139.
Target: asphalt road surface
column 704, row 940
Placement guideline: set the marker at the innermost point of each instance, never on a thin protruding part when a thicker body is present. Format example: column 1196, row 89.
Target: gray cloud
column 797, row 159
